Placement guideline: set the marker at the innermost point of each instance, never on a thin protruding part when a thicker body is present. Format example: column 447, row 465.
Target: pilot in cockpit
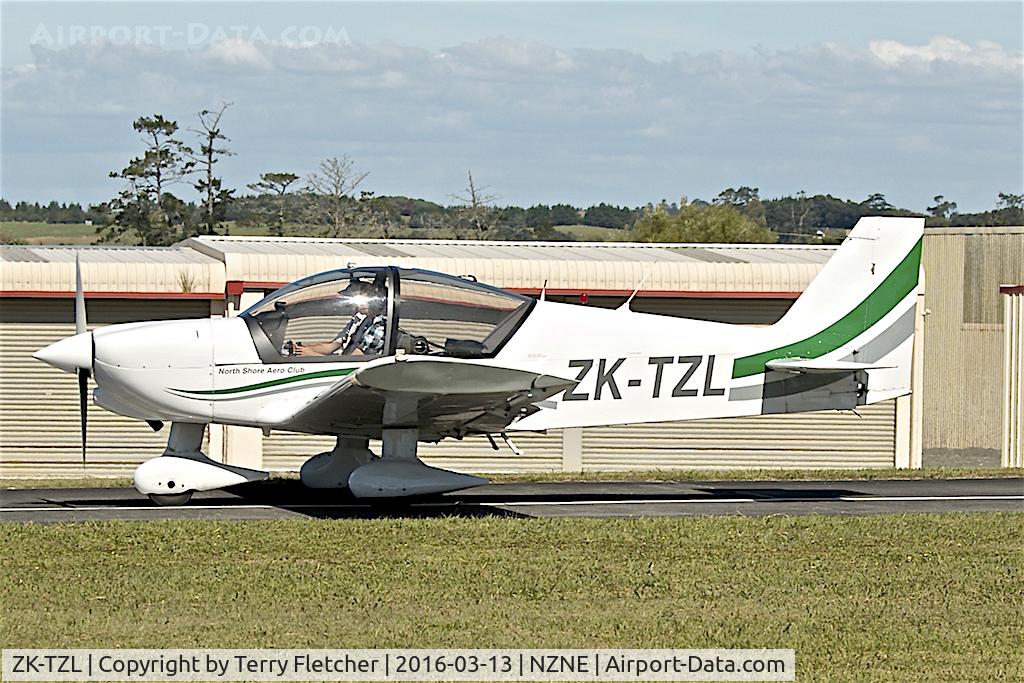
column 364, row 334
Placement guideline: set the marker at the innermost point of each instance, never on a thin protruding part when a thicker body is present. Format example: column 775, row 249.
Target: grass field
column 923, row 597
column 76, row 233
column 31, row 232
column 593, row 233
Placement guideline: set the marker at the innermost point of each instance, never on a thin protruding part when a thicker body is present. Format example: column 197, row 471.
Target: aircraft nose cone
column 68, row 354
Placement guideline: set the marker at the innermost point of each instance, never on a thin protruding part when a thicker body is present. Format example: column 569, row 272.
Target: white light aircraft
column 405, row 355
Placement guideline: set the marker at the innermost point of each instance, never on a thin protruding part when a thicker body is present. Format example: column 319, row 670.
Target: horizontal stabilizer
column 821, row 366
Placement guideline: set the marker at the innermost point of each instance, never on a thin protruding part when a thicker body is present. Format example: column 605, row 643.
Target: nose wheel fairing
column 183, row 469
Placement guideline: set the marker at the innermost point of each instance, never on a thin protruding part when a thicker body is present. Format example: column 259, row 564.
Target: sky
column 578, row 102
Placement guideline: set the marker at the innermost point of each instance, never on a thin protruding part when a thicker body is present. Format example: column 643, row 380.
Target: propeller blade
column 80, row 324
column 83, row 374
column 83, row 405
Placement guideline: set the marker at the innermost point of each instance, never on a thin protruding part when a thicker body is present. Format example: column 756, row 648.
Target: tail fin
column 857, row 315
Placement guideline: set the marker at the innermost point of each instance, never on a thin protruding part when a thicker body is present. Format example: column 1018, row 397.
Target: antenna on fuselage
column 544, row 290
column 625, row 304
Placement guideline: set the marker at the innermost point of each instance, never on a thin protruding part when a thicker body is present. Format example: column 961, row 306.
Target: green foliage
column 942, row 209
column 719, row 223
column 276, row 184
column 1009, row 211
column 746, row 200
column 608, row 216
column 145, row 207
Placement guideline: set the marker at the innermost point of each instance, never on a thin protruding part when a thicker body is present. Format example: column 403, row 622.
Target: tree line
column 332, row 201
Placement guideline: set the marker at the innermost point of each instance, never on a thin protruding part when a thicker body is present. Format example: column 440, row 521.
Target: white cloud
column 238, row 52
column 944, row 49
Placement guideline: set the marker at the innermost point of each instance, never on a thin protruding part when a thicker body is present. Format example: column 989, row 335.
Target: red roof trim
column 236, row 287
column 36, row 294
column 1011, row 289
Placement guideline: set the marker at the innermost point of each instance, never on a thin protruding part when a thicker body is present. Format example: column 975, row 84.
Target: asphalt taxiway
column 288, row 499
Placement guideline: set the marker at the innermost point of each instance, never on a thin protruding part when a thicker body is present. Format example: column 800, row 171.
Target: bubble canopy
column 357, row 314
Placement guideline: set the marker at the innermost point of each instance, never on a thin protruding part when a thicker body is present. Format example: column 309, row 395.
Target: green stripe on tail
column 894, row 289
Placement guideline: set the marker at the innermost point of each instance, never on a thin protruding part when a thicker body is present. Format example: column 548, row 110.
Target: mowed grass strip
column 929, row 597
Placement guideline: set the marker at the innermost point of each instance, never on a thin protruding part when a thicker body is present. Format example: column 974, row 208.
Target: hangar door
column 39, row 428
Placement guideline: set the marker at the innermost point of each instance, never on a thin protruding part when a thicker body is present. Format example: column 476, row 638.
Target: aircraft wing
column 817, row 366
column 442, row 396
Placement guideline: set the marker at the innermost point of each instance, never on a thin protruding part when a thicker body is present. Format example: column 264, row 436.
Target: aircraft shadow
column 493, row 500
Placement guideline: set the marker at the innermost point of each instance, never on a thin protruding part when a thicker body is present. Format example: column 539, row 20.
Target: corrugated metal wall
column 39, row 428
column 963, row 354
column 814, row 440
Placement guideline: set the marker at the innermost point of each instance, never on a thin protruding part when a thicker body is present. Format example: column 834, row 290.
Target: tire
column 170, row 499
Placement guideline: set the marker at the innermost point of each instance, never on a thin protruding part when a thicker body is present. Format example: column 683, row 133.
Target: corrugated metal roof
column 158, row 270
column 609, row 266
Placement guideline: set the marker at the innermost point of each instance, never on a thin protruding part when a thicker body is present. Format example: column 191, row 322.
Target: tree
column 376, row 215
column 738, row 197
column 209, row 186
column 877, row 203
column 746, row 200
column 1005, row 200
column 145, row 205
column 538, row 216
column 942, row 208
column 804, row 208
column 564, row 214
column 476, row 212
column 276, row 184
column 334, row 185
column 720, row 223
column 608, row 216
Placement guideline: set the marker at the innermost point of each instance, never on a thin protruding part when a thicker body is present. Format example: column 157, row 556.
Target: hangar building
column 744, row 284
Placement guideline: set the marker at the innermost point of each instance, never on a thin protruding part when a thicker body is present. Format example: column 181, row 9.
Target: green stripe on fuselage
column 900, row 282
column 273, row 382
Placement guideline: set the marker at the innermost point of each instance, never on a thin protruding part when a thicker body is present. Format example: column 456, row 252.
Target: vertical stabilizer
column 858, row 311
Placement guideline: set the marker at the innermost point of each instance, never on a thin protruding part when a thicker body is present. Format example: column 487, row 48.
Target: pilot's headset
column 373, row 294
